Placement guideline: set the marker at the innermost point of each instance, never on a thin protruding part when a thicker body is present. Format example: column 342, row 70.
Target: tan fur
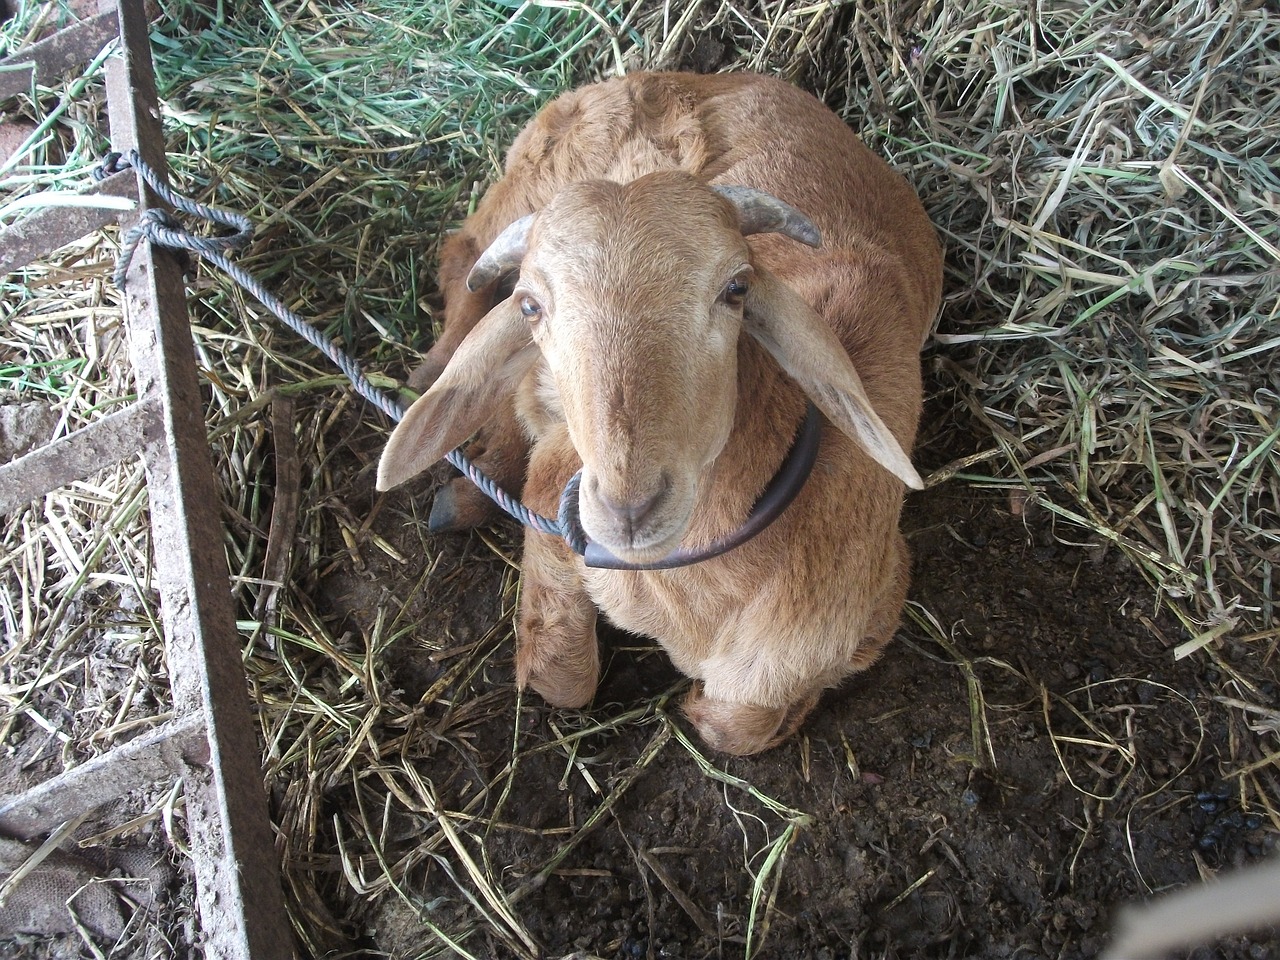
column 643, row 378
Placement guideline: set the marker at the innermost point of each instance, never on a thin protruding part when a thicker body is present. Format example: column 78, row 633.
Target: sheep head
column 634, row 296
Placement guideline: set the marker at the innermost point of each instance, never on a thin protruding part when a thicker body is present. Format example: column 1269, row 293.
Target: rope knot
column 113, row 163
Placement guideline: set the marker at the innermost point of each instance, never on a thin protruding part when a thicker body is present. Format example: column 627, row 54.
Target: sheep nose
column 630, row 511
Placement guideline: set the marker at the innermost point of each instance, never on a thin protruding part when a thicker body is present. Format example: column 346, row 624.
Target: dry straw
column 1107, row 179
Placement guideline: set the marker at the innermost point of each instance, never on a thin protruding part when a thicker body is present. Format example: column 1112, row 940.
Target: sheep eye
column 735, row 291
column 530, row 308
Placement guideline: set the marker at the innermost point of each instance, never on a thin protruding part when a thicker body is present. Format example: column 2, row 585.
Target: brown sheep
column 620, row 345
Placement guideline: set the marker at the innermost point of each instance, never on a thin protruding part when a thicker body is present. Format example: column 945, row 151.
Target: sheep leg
column 499, row 451
column 736, row 728
column 556, row 649
column 797, row 713
column 746, row 728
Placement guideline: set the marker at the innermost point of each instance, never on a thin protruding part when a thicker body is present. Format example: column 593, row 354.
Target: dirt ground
column 911, row 836
column 889, row 829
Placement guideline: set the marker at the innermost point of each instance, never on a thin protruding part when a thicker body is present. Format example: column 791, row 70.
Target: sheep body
column 617, row 173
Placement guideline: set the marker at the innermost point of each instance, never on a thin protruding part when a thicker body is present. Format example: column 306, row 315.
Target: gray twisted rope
column 162, row 229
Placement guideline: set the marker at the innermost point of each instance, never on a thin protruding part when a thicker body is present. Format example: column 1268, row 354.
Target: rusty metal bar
column 116, row 437
column 213, row 744
column 144, row 760
column 237, row 874
column 46, row 230
column 68, row 48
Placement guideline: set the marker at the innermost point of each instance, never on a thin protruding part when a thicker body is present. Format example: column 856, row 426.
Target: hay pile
column 1108, row 184
column 1104, row 180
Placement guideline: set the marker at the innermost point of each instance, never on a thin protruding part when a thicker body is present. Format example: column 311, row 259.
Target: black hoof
column 459, row 507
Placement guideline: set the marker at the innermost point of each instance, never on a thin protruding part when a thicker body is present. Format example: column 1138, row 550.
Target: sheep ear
column 811, row 354
column 487, row 366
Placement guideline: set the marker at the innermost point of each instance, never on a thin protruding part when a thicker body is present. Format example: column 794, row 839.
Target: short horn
column 503, row 255
column 760, row 212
